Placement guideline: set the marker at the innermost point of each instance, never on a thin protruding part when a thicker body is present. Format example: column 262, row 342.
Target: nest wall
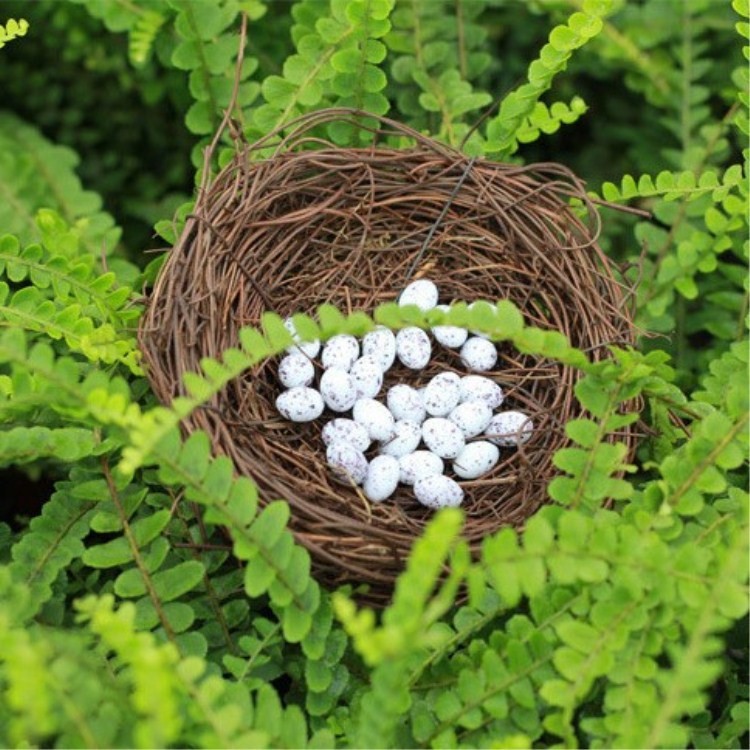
column 310, row 223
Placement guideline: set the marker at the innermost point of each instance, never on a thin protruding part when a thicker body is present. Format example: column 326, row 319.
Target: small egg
column 406, row 402
column 367, row 376
column 406, row 438
column 419, row 464
column 438, row 491
column 296, row 370
column 375, row 418
column 308, row 348
column 300, row 404
column 381, row 344
column 509, row 428
column 338, row 389
column 342, row 430
column 382, row 478
column 442, row 393
column 347, row 462
column 479, row 354
column 471, row 417
column 422, row 293
column 450, row 336
column 413, row 348
column 442, row 437
column 476, row 459
column 340, row 351
column 480, row 388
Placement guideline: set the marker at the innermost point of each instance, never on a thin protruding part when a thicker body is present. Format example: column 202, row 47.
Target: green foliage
column 12, row 30
column 158, row 600
column 517, row 106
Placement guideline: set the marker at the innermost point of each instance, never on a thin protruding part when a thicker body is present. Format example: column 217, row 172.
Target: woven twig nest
column 313, row 223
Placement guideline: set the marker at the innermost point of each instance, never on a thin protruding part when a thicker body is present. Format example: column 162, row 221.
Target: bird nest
column 293, row 222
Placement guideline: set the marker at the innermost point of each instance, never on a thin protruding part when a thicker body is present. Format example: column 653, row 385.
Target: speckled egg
column 442, row 393
column 413, row 348
column 442, row 437
column 296, row 370
column 406, row 437
column 300, row 404
column 340, row 351
column 342, row 430
column 480, row 388
column 347, row 462
column 375, row 418
column 382, row 478
column 338, row 389
column 381, row 344
column 471, row 417
column 450, row 336
column 438, row 491
column 406, row 402
column 476, row 459
column 509, row 428
column 367, row 376
column 479, row 354
column 419, row 464
column 422, row 293
column 308, row 348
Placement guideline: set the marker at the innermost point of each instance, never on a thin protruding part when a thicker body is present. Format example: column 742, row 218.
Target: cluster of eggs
column 454, row 416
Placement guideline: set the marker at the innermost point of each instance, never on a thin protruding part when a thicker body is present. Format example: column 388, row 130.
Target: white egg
column 338, row 389
column 406, row 437
column 479, row 354
column 308, row 348
column 340, row 351
column 406, row 402
column 296, row 370
column 476, row 459
column 480, row 388
column 342, row 430
column 442, row 437
column 381, row 344
column 471, row 417
column 450, row 336
column 422, row 293
column 438, row 491
column 347, row 462
column 375, row 418
column 382, row 478
column 478, row 333
column 300, row 404
column 419, row 464
column 413, row 348
column 367, row 376
column 509, row 428
column 442, row 393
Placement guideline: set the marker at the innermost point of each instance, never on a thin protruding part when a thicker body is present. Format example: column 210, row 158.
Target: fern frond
column 582, row 26
column 12, row 30
column 142, row 36
column 52, row 541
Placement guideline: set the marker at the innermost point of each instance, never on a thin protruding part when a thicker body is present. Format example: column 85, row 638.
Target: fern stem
column 188, row 10
column 211, row 595
column 462, row 67
column 500, row 687
column 709, row 460
column 78, row 718
column 258, row 651
column 135, row 549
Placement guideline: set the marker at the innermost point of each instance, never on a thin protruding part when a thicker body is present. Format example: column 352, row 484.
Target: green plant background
column 125, row 618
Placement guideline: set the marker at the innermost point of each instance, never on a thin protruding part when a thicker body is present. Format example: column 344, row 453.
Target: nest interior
column 311, row 223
